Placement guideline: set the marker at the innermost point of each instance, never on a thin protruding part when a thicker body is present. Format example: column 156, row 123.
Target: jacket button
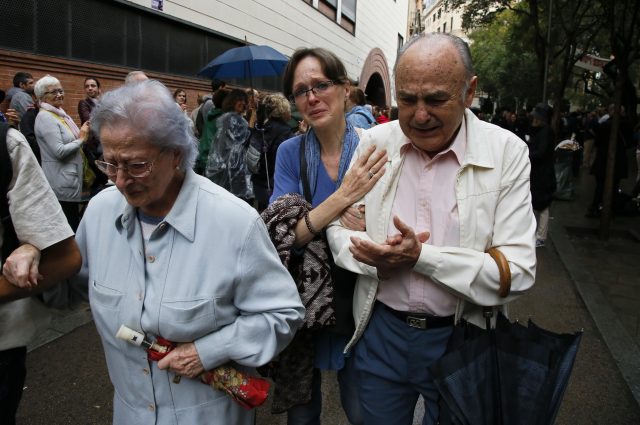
column 145, row 371
column 151, row 258
column 152, row 407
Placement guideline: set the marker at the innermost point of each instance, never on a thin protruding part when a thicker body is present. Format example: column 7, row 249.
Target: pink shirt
column 426, row 201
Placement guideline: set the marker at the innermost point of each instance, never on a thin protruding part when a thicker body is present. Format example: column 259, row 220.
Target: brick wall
column 72, row 73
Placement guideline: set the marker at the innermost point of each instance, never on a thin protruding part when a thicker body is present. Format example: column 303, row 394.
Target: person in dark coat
column 272, row 116
column 541, row 143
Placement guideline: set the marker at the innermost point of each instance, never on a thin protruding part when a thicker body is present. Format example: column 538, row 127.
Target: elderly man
column 454, row 187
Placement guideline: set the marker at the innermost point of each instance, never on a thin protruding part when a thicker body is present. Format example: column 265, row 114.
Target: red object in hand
column 155, row 355
column 248, row 391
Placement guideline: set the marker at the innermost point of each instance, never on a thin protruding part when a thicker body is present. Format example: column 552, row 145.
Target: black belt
column 420, row 320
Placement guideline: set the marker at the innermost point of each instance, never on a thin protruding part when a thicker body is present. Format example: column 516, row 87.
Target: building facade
column 173, row 40
column 415, row 24
column 439, row 18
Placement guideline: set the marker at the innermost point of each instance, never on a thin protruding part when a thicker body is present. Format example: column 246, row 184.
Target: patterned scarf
column 312, row 155
column 64, row 116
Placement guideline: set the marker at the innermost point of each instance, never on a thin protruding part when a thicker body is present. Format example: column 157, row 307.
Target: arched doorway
column 375, row 80
column 374, row 91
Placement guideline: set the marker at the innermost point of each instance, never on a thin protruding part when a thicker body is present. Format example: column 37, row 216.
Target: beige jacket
column 494, row 207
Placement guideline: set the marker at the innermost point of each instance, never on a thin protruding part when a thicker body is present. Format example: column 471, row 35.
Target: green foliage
column 478, row 13
column 504, row 61
column 511, row 46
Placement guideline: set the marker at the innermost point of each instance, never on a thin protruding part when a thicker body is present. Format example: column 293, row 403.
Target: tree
column 574, row 25
column 480, row 13
column 502, row 75
column 577, row 24
column 622, row 20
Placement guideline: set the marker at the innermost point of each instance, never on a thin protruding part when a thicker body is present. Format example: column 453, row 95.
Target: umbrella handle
column 503, row 269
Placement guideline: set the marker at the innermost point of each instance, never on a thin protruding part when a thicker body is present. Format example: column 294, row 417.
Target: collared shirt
column 425, row 200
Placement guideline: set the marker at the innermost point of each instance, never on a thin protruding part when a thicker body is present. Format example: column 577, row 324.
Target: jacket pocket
column 187, row 320
column 69, row 176
column 104, row 296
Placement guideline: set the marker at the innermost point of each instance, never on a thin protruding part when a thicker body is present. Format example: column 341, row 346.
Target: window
column 400, row 41
column 346, row 12
column 349, row 10
column 434, row 17
column 439, row 13
column 444, row 27
column 451, row 27
column 438, row 29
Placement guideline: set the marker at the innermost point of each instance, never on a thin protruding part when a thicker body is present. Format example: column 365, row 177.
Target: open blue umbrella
column 246, row 62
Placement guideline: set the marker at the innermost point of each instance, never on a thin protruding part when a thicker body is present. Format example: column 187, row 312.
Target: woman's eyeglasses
column 55, row 92
column 134, row 169
column 317, row 89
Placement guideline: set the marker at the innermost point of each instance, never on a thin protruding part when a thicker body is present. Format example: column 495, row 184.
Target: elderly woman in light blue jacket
column 169, row 253
column 60, row 141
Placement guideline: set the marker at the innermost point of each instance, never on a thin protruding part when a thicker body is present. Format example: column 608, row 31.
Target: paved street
column 582, row 284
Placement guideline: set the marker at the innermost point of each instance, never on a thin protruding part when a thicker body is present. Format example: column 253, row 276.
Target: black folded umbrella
column 508, row 375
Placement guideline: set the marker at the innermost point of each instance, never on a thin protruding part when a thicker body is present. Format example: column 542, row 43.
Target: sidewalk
column 605, row 273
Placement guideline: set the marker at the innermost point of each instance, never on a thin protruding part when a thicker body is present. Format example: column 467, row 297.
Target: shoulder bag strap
column 303, row 170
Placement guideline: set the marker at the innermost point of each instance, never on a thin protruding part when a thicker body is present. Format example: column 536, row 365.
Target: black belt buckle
column 416, row 322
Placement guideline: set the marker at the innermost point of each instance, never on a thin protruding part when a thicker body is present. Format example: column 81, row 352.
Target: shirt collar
column 182, row 216
column 458, row 147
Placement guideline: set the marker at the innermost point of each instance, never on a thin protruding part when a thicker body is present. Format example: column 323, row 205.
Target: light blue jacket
column 210, row 275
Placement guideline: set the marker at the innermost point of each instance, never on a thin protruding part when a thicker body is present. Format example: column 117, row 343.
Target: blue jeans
column 309, row 414
column 392, row 361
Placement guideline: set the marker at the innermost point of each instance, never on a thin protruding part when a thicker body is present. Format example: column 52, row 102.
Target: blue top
column 360, row 117
column 286, row 177
column 329, row 346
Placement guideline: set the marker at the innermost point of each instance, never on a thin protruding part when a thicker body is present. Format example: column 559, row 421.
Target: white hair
column 41, row 86
column 148, row 109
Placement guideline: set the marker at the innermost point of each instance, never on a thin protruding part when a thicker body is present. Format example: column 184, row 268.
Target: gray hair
column 40, row 87
column 435, row 37
column 148, row 109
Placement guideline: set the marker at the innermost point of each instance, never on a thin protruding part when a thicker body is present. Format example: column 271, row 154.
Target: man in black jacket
column 541, row 143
